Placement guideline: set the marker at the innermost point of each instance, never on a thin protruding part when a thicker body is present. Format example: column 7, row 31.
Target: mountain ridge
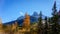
column 33, row 18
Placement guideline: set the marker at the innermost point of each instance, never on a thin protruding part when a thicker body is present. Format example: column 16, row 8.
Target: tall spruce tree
column 55, row 19
column 49, row 25
column 54, row 9
column 40, row 24
column 46, row 26
column 59, row 21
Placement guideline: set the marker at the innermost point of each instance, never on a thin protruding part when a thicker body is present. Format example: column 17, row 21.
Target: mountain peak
column 35, row 14
column 21, row 17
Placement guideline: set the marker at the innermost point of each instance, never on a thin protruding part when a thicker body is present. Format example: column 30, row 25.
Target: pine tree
column 50, row 25
column 40, row 24
column 46, row 26
column 55, row 20
column 59, row 21
column 54, row 9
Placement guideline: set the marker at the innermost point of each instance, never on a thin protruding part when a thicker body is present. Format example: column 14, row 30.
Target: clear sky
column 12, row 9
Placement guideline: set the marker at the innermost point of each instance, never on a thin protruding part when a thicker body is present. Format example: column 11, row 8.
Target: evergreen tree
column 59, row 21
column 46, row 26
column 50, row 25
column 55, row 20
column 54, row 9
column 40, row 24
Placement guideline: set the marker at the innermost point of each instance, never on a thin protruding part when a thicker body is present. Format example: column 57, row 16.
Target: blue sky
column 12, row 9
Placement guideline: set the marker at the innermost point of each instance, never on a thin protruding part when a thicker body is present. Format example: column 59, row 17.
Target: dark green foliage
column 40, row 25
column 55, row 24
column 55, row 20
column 46, row 26
column 54, row 9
